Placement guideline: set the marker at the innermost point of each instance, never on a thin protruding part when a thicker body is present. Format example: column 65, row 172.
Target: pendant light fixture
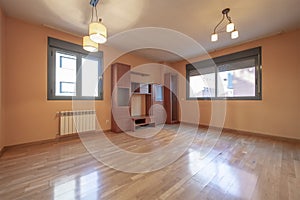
column 89, row 45
column 230, row 27
column 97, row 31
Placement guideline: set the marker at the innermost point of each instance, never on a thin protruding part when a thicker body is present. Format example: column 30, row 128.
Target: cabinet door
column 123, row 75
column 120, row 88
column 159, row 112
column 171, row 101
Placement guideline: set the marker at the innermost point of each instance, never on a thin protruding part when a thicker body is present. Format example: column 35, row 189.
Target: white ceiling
column 188, row 18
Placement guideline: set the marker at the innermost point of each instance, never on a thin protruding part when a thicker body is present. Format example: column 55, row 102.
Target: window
column 73, row 72
column 234, row 76
column 202, row 85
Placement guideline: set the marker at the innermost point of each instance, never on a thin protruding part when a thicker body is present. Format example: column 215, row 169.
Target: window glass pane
column 238, row 76
column 158, row 93
column 90, row 76
column 202, row 85
column 72, row 72
column 65, row 77
column 67, row 87
column 237, row 83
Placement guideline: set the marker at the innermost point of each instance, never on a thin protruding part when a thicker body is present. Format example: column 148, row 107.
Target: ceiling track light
column 230, row 27
column 97, row 31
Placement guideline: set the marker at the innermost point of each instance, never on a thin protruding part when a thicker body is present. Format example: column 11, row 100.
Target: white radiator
column 76, row 121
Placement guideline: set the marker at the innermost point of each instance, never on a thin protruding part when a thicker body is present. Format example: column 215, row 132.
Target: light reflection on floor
column 238, row 167
column 85, row 185
column 222, row 176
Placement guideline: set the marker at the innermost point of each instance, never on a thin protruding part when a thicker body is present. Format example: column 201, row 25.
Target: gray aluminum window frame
column 56, row 45
column 216, row 64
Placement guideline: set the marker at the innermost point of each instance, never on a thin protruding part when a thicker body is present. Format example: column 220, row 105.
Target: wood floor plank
column 237, row 167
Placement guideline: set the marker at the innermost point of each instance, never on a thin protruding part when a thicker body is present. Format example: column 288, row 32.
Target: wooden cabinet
column 140, row 88
column 158, row 104
column 127, row 95
column 141, row 105
column 170, row 96
column 144, row 92
column 139, row 121
column 120, row 88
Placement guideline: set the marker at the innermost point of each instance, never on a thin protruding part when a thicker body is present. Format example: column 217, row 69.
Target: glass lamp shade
column 89, row 45
column 234, row 34
column 214, row 37
column 97, row 32
column 230, row 27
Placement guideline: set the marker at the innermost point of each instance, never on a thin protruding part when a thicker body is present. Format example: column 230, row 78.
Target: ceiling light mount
column 94, row 3
column 225, row 11
column 230, row 27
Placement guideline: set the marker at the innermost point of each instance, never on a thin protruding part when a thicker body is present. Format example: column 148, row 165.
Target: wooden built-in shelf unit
column 125, row 115
column 144, row 116
column 120, row 88
column 140, row 88
column 142, row 120
column 171, row 100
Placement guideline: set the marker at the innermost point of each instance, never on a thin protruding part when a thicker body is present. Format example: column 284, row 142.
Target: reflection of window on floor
column 224, row 177
column 235, row 76
column 85, row 186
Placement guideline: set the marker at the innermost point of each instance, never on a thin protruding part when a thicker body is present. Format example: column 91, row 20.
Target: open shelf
column 130, row 99
column 138, row 93
column 143, row 120
column 140, row 88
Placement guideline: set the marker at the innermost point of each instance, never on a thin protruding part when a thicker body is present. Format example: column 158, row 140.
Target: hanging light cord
column 229, row 18
column 92, row 18
column 230, row 27
column 219, row 23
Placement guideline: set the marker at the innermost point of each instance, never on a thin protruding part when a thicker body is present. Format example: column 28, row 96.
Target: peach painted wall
column 2, row 23
column 278, row 113
column 29, row 115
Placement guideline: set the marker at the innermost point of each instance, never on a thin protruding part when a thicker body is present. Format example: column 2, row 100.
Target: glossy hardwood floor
column 238, row 167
